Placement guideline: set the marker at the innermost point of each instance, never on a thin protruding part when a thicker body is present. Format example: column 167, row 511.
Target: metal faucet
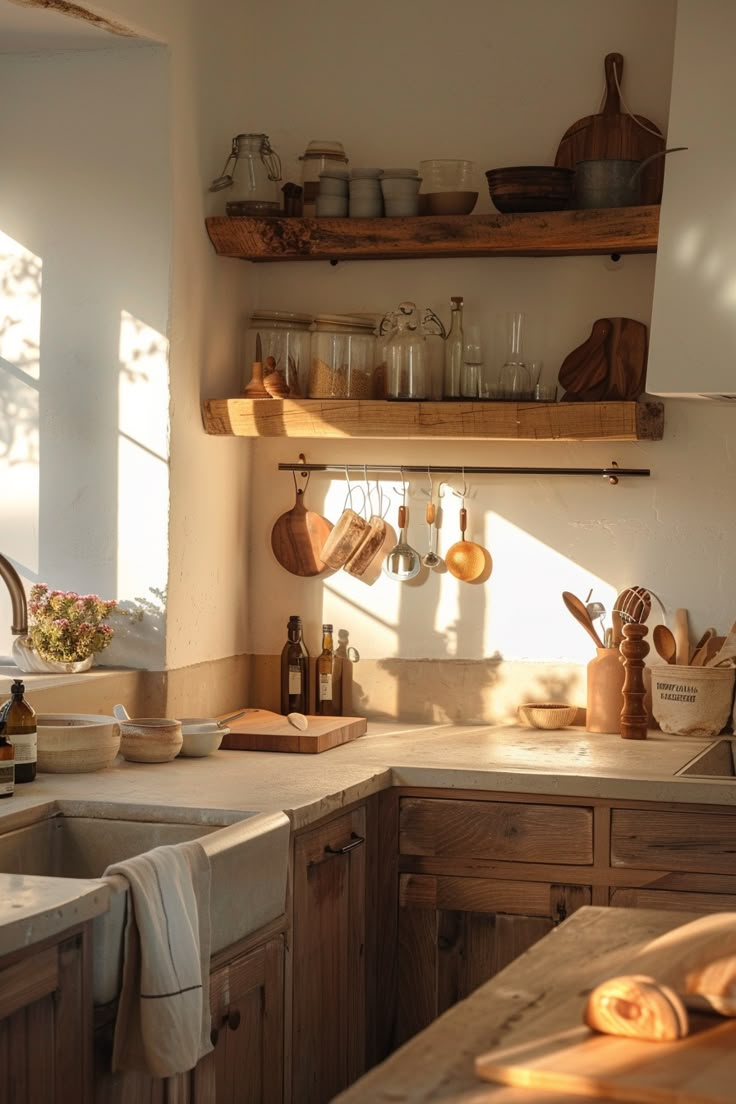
column 17, row 594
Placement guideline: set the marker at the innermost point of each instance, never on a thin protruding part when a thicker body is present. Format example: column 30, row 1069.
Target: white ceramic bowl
column 196, row 742
column 75, row 743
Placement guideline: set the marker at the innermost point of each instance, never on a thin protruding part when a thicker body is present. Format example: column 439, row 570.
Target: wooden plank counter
column 436, row 1067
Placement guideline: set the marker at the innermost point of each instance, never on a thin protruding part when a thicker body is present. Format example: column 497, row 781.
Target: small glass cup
column 545, row 392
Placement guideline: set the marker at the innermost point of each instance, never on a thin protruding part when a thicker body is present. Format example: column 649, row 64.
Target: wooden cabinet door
column 247, row 1001
column 455, row 933
column 328, row 973
column 46, row 1025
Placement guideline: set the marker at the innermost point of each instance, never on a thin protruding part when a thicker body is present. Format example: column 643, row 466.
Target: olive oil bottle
column 329, row 684
column 20, row 728
column 294, row 670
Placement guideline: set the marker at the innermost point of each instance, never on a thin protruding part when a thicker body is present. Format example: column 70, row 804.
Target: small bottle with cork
column 19, row 721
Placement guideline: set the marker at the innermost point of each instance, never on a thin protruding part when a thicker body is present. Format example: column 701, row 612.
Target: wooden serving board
column 263, row 730
column 698, row 1069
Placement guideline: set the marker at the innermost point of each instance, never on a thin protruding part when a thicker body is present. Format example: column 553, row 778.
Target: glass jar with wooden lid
column 343, row 357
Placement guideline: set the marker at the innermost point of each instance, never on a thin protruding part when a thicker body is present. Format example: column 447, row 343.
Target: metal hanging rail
column 612, row 473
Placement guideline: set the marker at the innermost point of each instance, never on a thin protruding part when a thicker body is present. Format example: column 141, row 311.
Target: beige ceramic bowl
column 150, row 739
column 75, row 743
column 548, row 714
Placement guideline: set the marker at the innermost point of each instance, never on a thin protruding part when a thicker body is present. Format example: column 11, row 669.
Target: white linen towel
column 163, row 1022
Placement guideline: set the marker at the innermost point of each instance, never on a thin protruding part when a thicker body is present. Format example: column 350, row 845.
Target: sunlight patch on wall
column 528, row 613
column 20, row 346
column 143, row 458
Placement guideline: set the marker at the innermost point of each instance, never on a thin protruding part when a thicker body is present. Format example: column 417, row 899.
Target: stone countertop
column 32, row 909
column 225, row 786
column 514, row 759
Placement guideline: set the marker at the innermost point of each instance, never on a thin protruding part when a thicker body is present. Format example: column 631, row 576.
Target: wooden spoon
column 682, row 636
column 298, row 537
column 465, row 559
column 700, row 652
column 580, row 613
column 664, row 642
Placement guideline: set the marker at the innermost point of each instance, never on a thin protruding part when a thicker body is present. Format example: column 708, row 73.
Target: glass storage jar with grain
column 343, row 357
column 285, row 337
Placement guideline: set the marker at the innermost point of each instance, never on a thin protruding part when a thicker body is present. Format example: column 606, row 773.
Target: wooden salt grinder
column 255, row 389
column 634, row 648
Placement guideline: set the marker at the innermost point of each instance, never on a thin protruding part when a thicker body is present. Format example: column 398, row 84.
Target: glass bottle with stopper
column 407, row 365
column 454, row 350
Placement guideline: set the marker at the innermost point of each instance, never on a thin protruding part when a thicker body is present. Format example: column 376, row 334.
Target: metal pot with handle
column 612, row 181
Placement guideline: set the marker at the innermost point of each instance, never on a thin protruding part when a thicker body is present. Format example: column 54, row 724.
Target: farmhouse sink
column 248, row 862
column 716, row 761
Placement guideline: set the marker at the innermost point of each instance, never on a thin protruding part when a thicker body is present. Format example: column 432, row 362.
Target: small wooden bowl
column 75, row 743
column 548, row 715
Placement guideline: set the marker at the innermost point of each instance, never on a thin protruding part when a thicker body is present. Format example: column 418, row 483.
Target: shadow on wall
column 435, row 690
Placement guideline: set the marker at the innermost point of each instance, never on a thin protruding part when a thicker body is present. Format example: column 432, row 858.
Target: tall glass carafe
column 407, row 365
column 515, row 379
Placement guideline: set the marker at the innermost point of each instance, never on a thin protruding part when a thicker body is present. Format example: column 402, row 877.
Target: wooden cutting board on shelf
column 263, row 730
column 698, row 1069
column 614, row 133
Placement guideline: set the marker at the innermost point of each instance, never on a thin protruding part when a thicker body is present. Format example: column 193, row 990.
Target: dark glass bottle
column 20, row 728
column 294, row 670
column 7, row 764
column 325, row 704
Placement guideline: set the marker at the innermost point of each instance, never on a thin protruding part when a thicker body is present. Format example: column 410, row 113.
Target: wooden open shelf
column 470, row 421
column 550, row 234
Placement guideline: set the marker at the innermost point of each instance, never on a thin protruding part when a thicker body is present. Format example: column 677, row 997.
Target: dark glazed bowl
column 530, row 188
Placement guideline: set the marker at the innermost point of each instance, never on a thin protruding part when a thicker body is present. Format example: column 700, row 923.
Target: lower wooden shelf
column 479, row 421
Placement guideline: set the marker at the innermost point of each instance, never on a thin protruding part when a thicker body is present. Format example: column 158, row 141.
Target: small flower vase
column 29, row 661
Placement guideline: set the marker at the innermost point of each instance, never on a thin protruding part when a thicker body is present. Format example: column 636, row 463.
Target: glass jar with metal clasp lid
column 253, row 177
column 343, row 357
column 425, row 324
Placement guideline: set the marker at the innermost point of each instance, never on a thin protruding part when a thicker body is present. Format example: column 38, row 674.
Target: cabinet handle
column 233, row 1020
column 355, row 841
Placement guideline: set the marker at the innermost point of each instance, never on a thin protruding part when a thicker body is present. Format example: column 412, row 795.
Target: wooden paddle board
column 698, row 1069
column 297, row 538
column 613, row 133
column 263, row 730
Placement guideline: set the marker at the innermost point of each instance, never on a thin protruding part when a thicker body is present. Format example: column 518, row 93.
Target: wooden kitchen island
column 541, row 994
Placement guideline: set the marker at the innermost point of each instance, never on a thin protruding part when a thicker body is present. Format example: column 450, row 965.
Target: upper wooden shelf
column 550, row 234
column 470, row 421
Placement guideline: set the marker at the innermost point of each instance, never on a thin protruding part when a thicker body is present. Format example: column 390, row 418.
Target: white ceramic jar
column 318, row 157
column 366, row 198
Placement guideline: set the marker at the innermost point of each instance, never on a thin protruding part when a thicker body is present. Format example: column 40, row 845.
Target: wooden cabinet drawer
column 679, row 901
column 496, row 830
column 699, row 842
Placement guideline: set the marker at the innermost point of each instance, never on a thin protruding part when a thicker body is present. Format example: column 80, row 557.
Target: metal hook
column 306, row 476
column 461, row 494
column 430, row 492
column 350, row 492
column 402, row 492
column 440, row 493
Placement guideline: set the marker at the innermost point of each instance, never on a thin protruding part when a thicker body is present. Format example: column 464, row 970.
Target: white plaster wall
column 85, row 213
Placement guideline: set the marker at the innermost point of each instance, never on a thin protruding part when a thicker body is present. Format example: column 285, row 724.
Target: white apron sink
column 248, row 861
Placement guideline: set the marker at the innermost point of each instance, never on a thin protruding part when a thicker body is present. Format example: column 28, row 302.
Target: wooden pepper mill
column 634, row 648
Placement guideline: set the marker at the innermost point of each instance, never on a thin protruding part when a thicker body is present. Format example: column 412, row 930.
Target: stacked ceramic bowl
column 366, row 198
column 332, row 198
column 400, row 189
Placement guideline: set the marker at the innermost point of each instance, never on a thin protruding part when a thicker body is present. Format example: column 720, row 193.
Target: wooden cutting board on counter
column 698, row 1069
column 263, row 730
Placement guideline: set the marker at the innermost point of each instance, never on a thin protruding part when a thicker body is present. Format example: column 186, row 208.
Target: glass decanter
column 515, row 380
